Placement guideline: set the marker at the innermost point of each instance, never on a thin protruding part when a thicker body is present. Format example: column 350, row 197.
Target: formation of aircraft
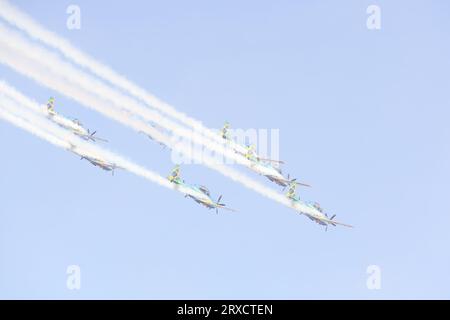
column 262, row 166
column 312, row 210
column 199, row 194
column 74, row 125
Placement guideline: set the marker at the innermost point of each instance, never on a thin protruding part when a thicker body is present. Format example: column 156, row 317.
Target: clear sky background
column 363, row 116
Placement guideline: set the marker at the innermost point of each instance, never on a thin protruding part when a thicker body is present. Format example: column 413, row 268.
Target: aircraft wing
column 298, row 183
column 303, row 184
column 100, row 139
column 226, row 208
column 335, row 222
column 51, row 112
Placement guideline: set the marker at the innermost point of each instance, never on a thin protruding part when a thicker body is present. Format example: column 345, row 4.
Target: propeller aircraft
column 262, row 166
column 98, row 162
column 273, row 174
column 246, row 151
column 72, row 125
column 312, row 210
column 199, row 194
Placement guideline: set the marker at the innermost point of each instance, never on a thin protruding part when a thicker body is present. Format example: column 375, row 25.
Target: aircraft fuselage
column 270, row 172
column 310, row 211
column 70, row 125
column 197, row 195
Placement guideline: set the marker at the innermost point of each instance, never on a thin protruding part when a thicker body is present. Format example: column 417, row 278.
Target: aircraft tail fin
column 174, row 174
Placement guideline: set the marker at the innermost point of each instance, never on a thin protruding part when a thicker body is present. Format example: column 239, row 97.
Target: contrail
column 35, row 30
column 16, row 114
column 52, row 63
column 25, row 117
column 234, row 175
column 22, row 61
column 27, row 122
column 23, row 124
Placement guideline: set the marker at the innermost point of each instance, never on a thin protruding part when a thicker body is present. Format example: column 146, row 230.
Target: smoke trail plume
column 15, row 52
column 17, row 114
column 24, row 22
column 77, row 78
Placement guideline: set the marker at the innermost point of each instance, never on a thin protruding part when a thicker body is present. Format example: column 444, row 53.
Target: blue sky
column 363, row 117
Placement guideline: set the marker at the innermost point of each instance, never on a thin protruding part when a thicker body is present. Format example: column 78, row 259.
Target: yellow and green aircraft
column 94, row 160
column 260, row 165
column 73, row 125
column 199, row 194
column 312, row 210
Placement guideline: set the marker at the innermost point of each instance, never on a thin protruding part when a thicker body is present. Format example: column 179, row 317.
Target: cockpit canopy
column 204, row 190
column 315, row 205
column 77, row 122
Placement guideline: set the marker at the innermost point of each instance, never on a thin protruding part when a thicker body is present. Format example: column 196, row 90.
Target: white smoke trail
column 52, row 63
column 236, row 176
column 28, row 60
column 24, row 22
column 25, row 125
column 16, row 114
column 46, row 130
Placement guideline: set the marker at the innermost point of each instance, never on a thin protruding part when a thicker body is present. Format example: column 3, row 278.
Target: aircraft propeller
column 219, row 204
column 332, row 217
column 91, row 136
